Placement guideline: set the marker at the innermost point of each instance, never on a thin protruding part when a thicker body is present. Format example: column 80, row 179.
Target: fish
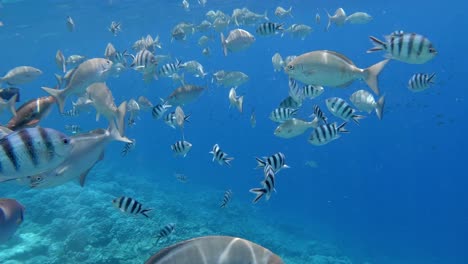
column 193, row 67
column 31, row 113
column 206, row 51
column 203, row 40
column 237, row 40
column 88, row 72
column 325, row 134
column 319, row 114
column 181, row 177
column 364, row 101
column 115, row 28
column 10, row 105
column 70, row 24
column 296, row 92
column 178, row 34
column 329, row 68
column 294, row 127
column 88, row 150
column 60, row 61
column 338, row 18
column 280, row 115
column 165, row 232
column 358, row 18
column 21, row 75
column 268, row 185
column 277, row 161
column 341, row 109
column 253, row 119
column 204, row 26
column 171, row 120
column 131, row 206
column 210, row 249
column 269, row 28
column 289, row 102
column 72, row 112
column 74, row 129
column 317, row 18
column 220, row 156
column 74, row 60
column 181, row 148
column 246, row 17
column 30, row 151
column 144, row 103
column 312, row 91
column 180, row 116
column 168, row 69
column 119, row 59
column 230, row 78
column 147, row 43
column 220, row 24
column 421, row 81
column 103, row 102
column 8, row 93
column 159, row 109
column 186, row 5
column 226, row 198
column 235, row 100
column 185, row 94
column 202, row 2
column 299, row 31
column 410, row 48
column 11, row 217
column 128, row 147
column 277, row 62
column 145, row 62
column 134, row 108
column 281, row 12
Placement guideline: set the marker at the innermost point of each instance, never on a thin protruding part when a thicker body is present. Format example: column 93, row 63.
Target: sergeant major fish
column 131, row 206
column 341, row 109
column 181, row 148
column 325, row 134
column 277, row 161
column 420, row 82
column 220, row 156
column 226, row 198
column 165, row 232
column 282, row 114
column 364, row 101
column 268, row 185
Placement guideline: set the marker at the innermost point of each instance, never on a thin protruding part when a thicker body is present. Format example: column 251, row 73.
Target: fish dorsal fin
column 339, row 55
column 4, row 131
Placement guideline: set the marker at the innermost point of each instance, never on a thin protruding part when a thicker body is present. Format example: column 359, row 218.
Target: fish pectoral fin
column 308, row 73
column 83, row 177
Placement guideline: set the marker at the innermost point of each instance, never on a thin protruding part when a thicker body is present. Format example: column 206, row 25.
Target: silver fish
column 21, row 75
column 185, row 94
column 234, row 100
column 181, row 148
column 230, row 78
column 299, row 31
column 70, row 24
column 281, row 12
column 358, row 18
column 277, row 62
column 237, row 40
column 294, row 127
column 338, row 18
column 364, row 101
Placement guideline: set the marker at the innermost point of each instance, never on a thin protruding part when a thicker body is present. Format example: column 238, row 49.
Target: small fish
column 165, row 232
column 11, row 217
column 180, row 116
column 338, row 18
column 277, row 161
column 237, row 40
column 408, row 47
column 202, row 2
column 220, row 156
column 74, row 60
column 185, row 94
column 299, row 31
column 181, row 148
column 167, row 70
column 145, row 62
column 159, row 110
column 203, row 27
column 325, row 134
column 294, row 127
column 282, row 13
column 193, row 67
column 364, row 101
column 235, row 100
column 226, row 198
column 178, row 34
column 129, row 146
column 60, row 61
column 311, row 91
column 181, row 177
column 230, row 78
column 206, row 51
column 358, row 18
column 268, row 185
column 203, row 41
column 280, row 115
column 319, row 114
column 186, row 5
column 70, row 24
column 171, row 120
column 421, row 81
column 115, row 28
column 130, row 206
column 269, row 28
column 289, row 102
column 144, row 103
column 277, row 62
column 341, row 109
column 253, row 119
column 74, row 129
column 21, row 75
column 71, row 113
column 134, row 108
column 317, row 18
column 296, row 92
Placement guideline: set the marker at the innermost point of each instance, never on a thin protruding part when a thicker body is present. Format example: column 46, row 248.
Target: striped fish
column 365, row 101
column 171, row 120
column 167, row 70
column 295, row 91
column 181, row 148
column 31, row 151
column 340, row 108
column 268, row 185
column 282, row 114
column 220, row 156
column 397, row 33
column 145, row 62
column 160, row 109
column 420, row 82
column 130, row 206
column 326, row 133
column 277, row 161
column 319, row 114
column 74, row 129
column 269, row 28
column 311, row 91
column 71, row 113
column 407, row 47
column 289, row 102
column 165, row 231
column 226, row 198
column 128, row 147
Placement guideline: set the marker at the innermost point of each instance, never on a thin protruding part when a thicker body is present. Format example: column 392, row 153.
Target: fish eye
column 65, row 141
column 290, row 67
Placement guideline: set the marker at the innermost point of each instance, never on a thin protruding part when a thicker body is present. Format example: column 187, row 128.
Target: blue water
column 391, row 191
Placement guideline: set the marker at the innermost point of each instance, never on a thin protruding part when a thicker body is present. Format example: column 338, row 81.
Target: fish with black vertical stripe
column 268, row 185
column 131, row 206
column 220, row 156
column 31, row 151
column 165, row 232
column 326, row 133
column 341, row 109
column 277, row 161
column 226, row 198
column 421, row 81
column 406, row 47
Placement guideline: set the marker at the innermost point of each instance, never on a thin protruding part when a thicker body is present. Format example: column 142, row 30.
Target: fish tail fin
column 240, row 103
column 378, row 44
column 329, row 21
column 115, row 134
column 11, row 104
column 223, row 43
column 145, row 211
column 121, row 111
column 356, row 118
column 371, row 74
column 431, row 78
column 259, row 192
column 227, row 161
column 315, row 122
column 59, row 79
column 341, row 128
column 59, row 96
column 260, row 163
column 380, row 107
column 265, row 15
column 289, row 11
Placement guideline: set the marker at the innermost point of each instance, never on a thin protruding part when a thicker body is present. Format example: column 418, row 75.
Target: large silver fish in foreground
column 329, row 68
column 215, row 250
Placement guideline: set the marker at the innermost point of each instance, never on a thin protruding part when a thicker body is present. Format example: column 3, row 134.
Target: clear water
column 391, row 191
